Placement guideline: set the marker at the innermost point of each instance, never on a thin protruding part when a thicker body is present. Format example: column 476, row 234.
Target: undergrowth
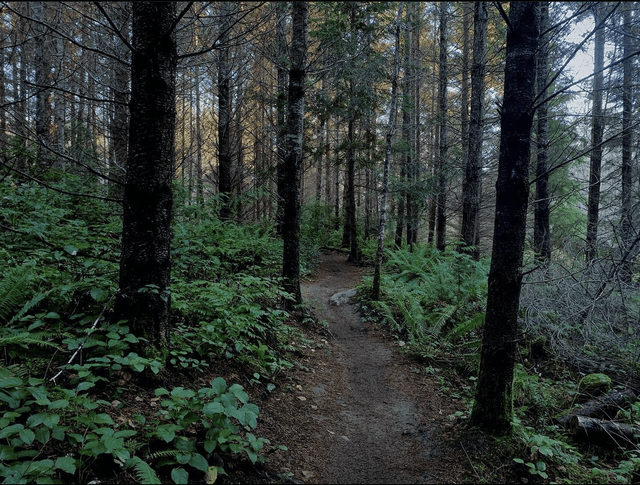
column 74, row 383
column 433, row 302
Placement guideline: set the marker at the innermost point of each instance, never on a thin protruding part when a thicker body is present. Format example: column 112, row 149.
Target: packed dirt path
column 363, row 413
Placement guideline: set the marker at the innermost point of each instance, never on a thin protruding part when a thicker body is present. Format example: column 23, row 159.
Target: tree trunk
column 400, row 210
column 413, row 213
column 408, row 122
column 626, row 236
column 541, row 227
column 42, row 67
column 471, row 188
column 145, row 266
column 441, row 228
column 464, row 78
column 597, row 130
column 281, row 108
column 375, row 290
column 293, row 156
column 120, row 121
column 224, row 115
column 493, row 407
column 350, row 230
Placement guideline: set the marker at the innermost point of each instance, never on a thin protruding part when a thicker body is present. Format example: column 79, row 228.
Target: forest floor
column 361, row 412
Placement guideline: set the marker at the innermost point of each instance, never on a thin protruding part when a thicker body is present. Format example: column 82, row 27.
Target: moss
column 595, row 384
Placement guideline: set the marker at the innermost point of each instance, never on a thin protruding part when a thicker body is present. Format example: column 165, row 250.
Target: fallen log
column 606, row 406
column 604, row 433
column 602, row 407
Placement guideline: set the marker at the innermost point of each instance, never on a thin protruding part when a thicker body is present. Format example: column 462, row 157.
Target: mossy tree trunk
column 493, row 408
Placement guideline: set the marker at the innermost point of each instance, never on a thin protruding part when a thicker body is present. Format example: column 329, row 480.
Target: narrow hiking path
column 363, row 412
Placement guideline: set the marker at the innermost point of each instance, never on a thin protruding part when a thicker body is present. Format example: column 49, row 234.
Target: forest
column 174, row 174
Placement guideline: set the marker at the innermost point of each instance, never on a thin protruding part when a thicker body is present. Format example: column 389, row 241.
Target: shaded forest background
column 419, row 86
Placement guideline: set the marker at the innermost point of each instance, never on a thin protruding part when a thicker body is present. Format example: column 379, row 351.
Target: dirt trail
column 362, row 414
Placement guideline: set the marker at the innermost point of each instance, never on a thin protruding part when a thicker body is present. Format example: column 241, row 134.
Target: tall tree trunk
column 597, row 130
column 406, row 203
column 350, row 227
column 413, row 210
column 471, row 189
column 467, row 9
column 224, row 115
column 120, row 121
column 336, row 198
column 626, row 236
column 493, row 407
column 20, row 85
column 377, row 274
column 541, row 227
column 198, row 127
column 145, row 265
column 3, row 82
column 400, row 208
column 281, row 108
column 349, row 238
column 42, row 66
column 293, row 156
column 441, row 228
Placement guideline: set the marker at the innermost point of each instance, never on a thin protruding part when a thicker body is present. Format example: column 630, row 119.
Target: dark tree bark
column 145, row 265
column 541, row 227
column 609, row 434
column 626, row 228
column 350, row 231
column 351, row 227
column 281, row 108
column 224, row 116
column 441, row 228
column 120, row 121
column 377, row 274
column 597, row 130
column 400, row 210
column 42, row 66
column 464, row 77
column 493, row 407
column 470, row 233
column 409, row 124
column 293, row 155
column 416, row 57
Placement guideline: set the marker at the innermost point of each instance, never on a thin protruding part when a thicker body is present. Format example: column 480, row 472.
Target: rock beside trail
column 342, row 297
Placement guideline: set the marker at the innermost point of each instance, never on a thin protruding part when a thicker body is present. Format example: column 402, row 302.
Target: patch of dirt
column 363, row 412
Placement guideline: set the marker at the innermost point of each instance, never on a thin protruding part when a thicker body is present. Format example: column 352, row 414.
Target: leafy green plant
column 543, row 450
column 224, row 416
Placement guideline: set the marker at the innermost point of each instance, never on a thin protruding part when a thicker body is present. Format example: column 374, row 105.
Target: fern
column 13, row 288
column 164, row 454
column 25, row 338
column 466, row 327
column 26, row 307
column 443, row 317
column 144, row 473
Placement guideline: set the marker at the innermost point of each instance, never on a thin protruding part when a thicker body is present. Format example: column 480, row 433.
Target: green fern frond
column 164, row 454
column 13, row 288
column 26, row 307
column 443, row 317
column 466, row 327
column 144, row 473
column 26, row 338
